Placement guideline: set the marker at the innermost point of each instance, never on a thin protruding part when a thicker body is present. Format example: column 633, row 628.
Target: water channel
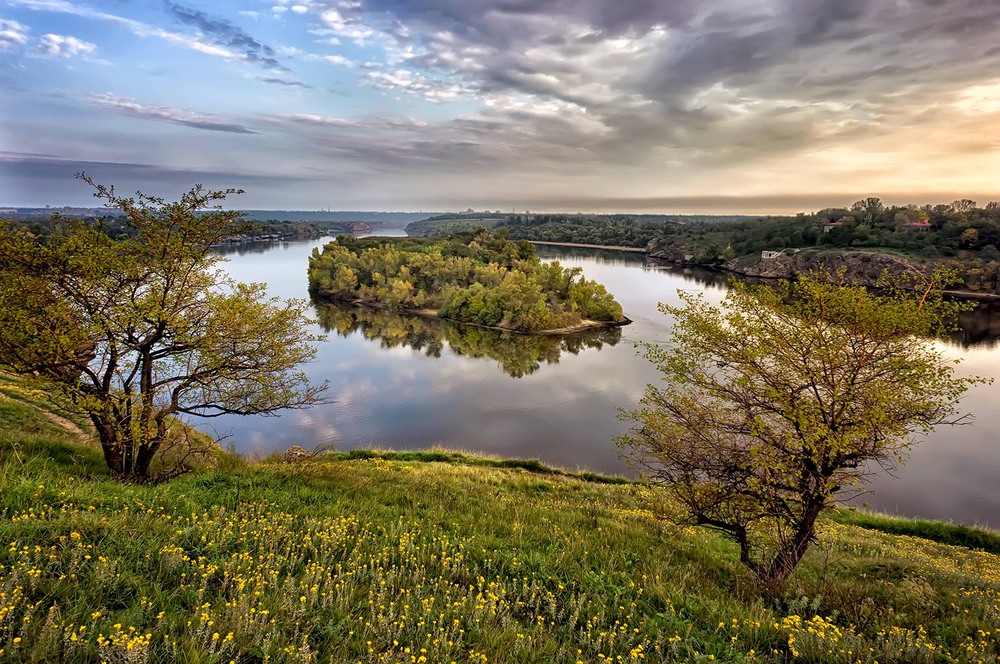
column 403, row 383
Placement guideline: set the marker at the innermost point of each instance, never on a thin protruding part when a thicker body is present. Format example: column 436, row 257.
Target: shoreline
column 608, row 247
column 721, row 269
column 582, row 326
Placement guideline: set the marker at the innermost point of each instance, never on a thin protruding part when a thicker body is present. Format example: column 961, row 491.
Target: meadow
column 443, row 557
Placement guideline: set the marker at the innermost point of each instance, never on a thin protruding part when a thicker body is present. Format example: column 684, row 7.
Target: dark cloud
column 701, row 81
column 225, row 34
column 286, row 83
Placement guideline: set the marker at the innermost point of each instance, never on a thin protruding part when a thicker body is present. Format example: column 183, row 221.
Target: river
column 400, row 383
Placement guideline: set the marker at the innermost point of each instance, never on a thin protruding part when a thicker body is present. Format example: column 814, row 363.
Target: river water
column 404, row 383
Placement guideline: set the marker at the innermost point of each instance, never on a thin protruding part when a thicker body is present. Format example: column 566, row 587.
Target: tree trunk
column 109, row 446
column 125, row 462
column 143, row 461
column 774, row 575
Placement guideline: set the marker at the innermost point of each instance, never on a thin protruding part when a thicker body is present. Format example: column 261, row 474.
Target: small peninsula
column 480, row 279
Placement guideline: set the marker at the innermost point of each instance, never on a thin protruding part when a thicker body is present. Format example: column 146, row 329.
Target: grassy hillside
column 436, row 557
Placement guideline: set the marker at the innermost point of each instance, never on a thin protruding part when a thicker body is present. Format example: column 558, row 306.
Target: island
column 480, row 278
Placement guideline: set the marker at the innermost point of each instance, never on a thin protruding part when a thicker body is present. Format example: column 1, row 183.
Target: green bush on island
column 483, row 279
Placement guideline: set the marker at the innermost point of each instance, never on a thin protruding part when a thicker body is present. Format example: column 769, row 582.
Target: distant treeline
column 368, row 216
column 960, row 235
column 483, row 278
column 625, row 230
column 929, row 231
column 244, row 231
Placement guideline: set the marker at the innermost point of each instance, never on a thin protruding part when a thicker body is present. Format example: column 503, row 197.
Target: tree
column 777, row 403
column 870, row 208
column 140, row 332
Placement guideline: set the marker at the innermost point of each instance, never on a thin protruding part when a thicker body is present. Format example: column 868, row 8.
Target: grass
column 956, row 534
column 438, row 557
column 462, row 458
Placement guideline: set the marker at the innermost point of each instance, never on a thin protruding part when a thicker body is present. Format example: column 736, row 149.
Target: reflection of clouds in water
column 565, row 413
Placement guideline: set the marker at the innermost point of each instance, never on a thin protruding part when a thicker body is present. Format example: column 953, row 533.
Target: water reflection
column 393, row 384
column 980, row 328
column 252, row 247
column 518, row 355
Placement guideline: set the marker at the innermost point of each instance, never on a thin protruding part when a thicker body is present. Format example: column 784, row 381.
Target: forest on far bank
column 959, row 229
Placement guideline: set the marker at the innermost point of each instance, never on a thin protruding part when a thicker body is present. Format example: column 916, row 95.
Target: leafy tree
column 775, row 404
column 139, row 332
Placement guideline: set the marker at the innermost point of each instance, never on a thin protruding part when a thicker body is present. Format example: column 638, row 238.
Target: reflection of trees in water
column 980, row 327
column 551, row 252
column 703, row 276
column 518, row 354
column 251, row 247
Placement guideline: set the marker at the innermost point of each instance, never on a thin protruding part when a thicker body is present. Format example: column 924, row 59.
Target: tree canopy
column 141, row 331
column 481, row 278
column 777, row 402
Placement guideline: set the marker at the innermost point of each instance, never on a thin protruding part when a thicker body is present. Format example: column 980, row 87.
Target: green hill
column 441, row 557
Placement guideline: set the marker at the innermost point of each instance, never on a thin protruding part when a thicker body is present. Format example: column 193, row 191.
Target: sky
column 677, row 106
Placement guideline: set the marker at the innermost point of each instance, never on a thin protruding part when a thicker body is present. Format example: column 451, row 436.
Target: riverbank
column 582, row 326
column 859, row 268
column 382, row 557
column 636, row 250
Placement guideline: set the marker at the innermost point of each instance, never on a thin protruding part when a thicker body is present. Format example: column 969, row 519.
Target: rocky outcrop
column 859, row 268
column 671, row 250
column 295, row 454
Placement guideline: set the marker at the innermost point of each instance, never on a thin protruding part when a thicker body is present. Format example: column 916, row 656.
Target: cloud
column 13, row 35
column 318, row 120
column 338, row 60
column 137, row 28
column 132, row 108
column 29, row 179
column 62, row 46
column 285, row 82
column 680, row 82
column 225, row 34
column 645, row 100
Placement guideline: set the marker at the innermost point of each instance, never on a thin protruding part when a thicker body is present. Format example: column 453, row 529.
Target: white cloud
column 138, row 28
column 319, row 120
column 132, row 108
column 13, row 35
column 980, row 99
column 62, row 46
column 338, row 60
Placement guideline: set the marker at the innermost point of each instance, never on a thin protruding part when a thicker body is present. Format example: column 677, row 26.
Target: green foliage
column 960, row 235
column 622, row 230
column 774, row 404
column 137, row 332
column 481, row 278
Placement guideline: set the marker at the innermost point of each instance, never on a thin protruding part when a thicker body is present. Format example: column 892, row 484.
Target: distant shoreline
column 635, row 250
